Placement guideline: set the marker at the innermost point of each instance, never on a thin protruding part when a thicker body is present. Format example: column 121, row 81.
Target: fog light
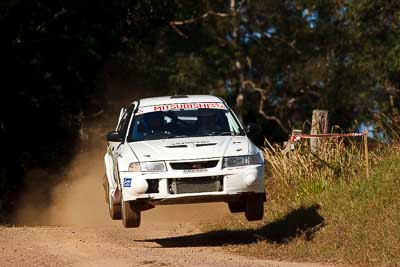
column 139, row 185
column 250, row 179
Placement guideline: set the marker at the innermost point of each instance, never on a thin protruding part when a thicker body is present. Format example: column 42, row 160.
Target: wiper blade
column 178, row 136
column 225, row 133
column 219, row 133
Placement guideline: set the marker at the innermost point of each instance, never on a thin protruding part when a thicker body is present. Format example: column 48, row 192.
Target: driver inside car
column 206, row 122
column 153, row 123
column 149, row 124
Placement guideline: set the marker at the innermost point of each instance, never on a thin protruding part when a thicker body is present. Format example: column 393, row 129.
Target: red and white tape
column 297, row 137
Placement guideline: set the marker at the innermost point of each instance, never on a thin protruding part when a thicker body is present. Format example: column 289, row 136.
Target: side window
column 233, row 124
column 121, row 114
column 122, row 122
column 122, row 127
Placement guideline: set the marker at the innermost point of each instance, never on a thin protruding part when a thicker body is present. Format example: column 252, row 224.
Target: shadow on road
column 303, row 222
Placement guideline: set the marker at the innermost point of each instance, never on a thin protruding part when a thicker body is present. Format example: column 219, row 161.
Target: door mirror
column 114, row 137
column 251, row 131
column 250, row 128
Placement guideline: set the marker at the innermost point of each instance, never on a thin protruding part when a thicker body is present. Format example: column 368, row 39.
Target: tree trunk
column 319, row 125
column 240, row 94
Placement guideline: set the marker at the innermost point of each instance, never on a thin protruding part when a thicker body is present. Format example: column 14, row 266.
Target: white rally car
column 181, row 149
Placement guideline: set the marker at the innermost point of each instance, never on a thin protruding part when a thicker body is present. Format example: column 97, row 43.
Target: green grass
column 352, row 221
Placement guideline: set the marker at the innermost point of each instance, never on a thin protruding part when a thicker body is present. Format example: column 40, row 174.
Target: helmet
column 205, row 113
column 153, row 119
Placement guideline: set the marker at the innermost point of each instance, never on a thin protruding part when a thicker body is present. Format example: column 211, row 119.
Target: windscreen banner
column 183, row 106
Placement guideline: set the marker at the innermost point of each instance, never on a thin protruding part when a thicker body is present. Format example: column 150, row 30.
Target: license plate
column 194, row 170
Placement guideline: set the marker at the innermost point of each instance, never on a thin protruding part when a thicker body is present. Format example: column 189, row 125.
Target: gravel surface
column 114, row 246
column 68, row 225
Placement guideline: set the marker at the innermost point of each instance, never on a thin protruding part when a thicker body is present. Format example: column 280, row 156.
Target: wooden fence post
column 319, row 124
column 289, row 145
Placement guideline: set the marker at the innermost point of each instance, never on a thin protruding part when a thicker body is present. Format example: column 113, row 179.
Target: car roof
column 165, row 100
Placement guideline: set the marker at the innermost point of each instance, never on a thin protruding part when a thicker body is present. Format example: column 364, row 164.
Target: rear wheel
column 237, row 206
column 131, row 214
column 105, row 186
column 114, row 209
column 254, row 209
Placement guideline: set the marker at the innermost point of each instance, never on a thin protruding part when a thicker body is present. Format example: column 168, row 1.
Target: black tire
column 237, row 206
column 254, row 209
column 114, row 209
column 131, row 214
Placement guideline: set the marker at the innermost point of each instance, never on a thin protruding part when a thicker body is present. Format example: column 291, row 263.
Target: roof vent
column 179, row 96
column 207, row 144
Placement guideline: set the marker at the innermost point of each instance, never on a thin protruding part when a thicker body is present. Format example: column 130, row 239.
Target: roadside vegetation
column 322, row 208
column 274, row 62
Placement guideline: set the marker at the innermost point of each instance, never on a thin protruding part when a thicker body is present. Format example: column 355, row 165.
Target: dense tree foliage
column 51, row 56
column 274, row 61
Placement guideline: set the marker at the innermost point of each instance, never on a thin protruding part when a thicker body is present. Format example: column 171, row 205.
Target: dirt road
column 67, row 224
column 75, row 230
column 157, row 243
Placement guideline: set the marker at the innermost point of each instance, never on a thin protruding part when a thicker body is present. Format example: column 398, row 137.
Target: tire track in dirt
column 112, row 246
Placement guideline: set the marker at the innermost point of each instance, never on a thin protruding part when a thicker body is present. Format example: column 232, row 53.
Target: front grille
column 195, row 185
column 194, row 165
column 153, row 186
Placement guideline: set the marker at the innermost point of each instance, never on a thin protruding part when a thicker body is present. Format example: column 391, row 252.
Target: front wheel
column 254, row 209
column 131, row 214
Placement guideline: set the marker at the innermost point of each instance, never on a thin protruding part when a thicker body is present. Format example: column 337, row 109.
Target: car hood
column 190, row 148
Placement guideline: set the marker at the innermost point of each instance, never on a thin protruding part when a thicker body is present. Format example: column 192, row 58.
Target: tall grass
column 321, row 207
column 304, row 172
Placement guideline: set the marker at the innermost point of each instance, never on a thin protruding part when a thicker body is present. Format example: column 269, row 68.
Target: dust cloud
column 79, row 198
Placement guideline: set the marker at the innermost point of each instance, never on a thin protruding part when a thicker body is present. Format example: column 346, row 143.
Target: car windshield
column 183, row 123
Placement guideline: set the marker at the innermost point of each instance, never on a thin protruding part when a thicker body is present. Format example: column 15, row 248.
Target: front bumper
column 208, row 198
column 237, row 182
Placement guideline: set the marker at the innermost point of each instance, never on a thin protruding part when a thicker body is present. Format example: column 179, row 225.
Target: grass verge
column 340, row 218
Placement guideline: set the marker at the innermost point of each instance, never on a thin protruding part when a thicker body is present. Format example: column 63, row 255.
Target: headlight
column 134, row 167
column 158, row 166
column 255, row 159
column 242, row 161
column 235, row 161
